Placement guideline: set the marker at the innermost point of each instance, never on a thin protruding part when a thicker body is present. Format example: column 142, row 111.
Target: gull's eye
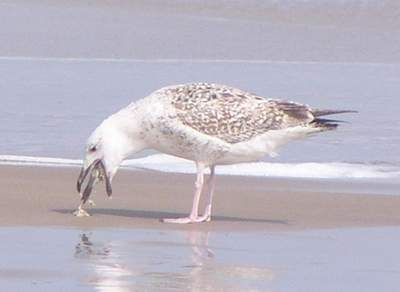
column 93, row 148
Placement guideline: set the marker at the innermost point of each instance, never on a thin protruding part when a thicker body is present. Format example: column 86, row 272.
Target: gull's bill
column 96, row 172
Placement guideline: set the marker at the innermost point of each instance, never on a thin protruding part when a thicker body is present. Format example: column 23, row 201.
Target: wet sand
column 46, row 196
column 121, row 260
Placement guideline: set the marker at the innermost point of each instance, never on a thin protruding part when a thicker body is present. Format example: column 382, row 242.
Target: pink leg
column 210, row 193
column 194, row 216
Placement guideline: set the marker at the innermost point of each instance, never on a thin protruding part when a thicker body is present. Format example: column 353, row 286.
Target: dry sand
column 44, row 196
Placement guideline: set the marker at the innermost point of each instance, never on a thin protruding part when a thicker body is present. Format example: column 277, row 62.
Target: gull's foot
column 80, row 213
column 186, row 220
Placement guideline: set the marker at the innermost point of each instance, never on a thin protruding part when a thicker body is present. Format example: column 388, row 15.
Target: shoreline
column 382, row 179
column 46, row 196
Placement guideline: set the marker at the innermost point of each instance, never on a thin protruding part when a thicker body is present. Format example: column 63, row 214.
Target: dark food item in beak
column 96, row 170
column 89, row 187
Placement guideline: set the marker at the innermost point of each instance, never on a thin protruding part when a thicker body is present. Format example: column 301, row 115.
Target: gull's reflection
column 201, row 276
column 168, row 260
column 85, row 249
column 211, row 274
column 199, row 242
column 108, row 273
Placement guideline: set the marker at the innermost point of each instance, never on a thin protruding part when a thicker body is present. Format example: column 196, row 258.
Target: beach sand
column 46, row 196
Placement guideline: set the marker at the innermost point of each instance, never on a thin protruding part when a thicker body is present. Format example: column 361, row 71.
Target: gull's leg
column 210, row 193
column 194, row 216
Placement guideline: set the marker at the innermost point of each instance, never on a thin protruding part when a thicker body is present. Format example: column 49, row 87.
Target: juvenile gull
column 210, row 124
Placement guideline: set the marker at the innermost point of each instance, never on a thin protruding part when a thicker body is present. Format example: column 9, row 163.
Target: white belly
column 174, row 139
column 263, row 145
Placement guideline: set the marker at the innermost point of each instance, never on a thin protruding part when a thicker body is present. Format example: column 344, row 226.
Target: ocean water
column 51, row 105
column 291, row 30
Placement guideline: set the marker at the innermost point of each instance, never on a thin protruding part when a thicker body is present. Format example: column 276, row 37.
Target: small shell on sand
column 80, row 213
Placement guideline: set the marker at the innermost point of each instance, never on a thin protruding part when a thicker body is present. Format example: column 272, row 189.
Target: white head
column 106, row 148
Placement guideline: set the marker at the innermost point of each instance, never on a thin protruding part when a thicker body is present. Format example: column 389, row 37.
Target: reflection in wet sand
column 107, row 274
column 44, row 259
column 184, row 262
column 208, row 274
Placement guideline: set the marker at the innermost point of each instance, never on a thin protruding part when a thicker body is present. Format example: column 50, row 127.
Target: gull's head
column 105, row 149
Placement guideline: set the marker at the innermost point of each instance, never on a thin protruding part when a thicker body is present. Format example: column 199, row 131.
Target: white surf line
column 33, row 160
column 166, row 163
column 176, row 61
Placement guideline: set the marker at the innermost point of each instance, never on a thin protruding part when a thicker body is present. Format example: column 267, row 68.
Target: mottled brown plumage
column 231, row 114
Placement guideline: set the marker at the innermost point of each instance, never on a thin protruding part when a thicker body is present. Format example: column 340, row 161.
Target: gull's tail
column 327, row 124
column 320, row 113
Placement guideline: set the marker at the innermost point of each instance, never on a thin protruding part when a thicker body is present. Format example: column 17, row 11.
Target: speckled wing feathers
column 231, row 114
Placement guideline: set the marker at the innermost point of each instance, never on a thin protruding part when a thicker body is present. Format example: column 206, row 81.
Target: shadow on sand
column 160, row 214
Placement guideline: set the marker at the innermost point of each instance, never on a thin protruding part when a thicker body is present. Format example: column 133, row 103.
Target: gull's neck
column 126, row 132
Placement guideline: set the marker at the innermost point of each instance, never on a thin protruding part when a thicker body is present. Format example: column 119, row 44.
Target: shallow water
column 53, row 259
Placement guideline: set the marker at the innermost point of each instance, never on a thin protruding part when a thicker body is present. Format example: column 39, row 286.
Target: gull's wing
column 231, row 114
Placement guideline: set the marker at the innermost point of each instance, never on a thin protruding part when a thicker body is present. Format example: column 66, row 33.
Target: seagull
column 210, row 124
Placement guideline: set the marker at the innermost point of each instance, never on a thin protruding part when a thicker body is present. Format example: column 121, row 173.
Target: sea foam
column 167, row 163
